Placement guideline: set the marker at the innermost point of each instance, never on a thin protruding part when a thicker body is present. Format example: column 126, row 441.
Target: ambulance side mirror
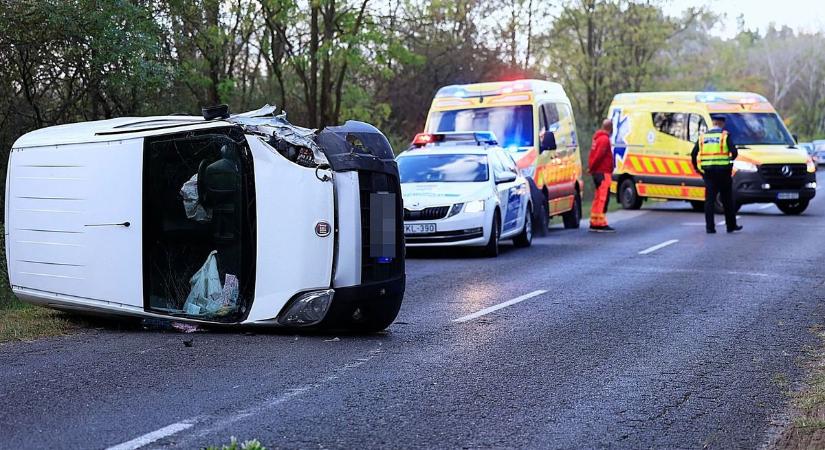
column 795, row 138
column 548, row 142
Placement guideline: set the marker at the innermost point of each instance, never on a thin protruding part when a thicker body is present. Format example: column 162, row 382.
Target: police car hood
column 422, row 195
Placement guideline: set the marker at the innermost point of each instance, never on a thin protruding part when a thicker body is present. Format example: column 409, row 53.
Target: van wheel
column 525, row 238
column 541, row 216
column 697, row 205
column 573, row 217
column 793, row 207
column 491, row 249
column 628, row 196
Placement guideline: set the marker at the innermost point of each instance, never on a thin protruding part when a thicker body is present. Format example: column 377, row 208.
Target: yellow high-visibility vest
column 713, row 149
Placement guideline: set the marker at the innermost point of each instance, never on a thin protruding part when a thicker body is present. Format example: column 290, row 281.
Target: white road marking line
column 766, row 206
column 693, row 224
column 658, row 246
column 723, row 222
column 499, row 306
column 156, row 435
column 207, row 424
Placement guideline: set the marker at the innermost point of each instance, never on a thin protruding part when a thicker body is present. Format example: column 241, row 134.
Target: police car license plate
column 787, row 196
column 419, row 228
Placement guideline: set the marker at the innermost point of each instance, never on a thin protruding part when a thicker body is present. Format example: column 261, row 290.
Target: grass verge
column 23, row 322
column 807, row 429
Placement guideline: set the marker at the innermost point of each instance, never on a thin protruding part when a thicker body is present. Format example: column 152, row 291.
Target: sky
column 808, row 15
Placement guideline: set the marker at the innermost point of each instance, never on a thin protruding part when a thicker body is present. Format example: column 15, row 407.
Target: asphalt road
column 691, row 345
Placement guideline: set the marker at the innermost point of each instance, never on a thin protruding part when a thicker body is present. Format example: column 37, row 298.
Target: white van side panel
column 348, row 264
column 64, row 206
column 291, row 258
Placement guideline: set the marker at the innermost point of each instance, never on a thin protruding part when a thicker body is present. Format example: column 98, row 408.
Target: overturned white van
column 242, row 219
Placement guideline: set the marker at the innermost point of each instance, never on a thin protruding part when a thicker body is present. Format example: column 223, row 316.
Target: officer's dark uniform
column 713, row 157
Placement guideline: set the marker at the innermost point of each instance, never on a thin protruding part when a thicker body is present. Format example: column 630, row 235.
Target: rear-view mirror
column 548, row 141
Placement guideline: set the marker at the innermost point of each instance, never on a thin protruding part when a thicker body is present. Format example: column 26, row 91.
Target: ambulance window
column 564, row 111
column 696, row 127
column 674, row 124
column 551, row 115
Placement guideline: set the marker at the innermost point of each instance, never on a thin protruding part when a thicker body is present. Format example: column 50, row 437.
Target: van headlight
column 744, row 166
column 474, row 206
column 811, row 166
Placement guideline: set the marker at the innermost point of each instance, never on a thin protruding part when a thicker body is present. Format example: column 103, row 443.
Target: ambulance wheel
column 697, row 205
column 541, row 216
column 573, row 217
column 525, row 238
column 793, row 207
column 628, row 196
column 491, row 249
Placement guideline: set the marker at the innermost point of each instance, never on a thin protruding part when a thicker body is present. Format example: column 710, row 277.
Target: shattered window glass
column 199, row 225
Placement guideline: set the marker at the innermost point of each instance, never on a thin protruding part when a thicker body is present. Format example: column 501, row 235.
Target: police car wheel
column 793, row 208
column 491, row 249
column 525, row 238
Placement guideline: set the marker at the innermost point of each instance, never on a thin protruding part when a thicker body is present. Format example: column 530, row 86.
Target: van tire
column 491, row 250
column 573, row 218
column 628, row 195
column 697, row 205
column 793, row 207
column 541, row 216
column 525, row 238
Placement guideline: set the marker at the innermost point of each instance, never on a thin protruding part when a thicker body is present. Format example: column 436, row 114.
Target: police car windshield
column 512, row 125
column 443, row 168
column 757, row 129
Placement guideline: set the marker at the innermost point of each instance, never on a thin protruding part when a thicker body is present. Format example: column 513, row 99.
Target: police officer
column 713, row 157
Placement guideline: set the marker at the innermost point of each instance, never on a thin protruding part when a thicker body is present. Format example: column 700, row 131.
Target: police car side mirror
column 505, row 177
column 548, row 142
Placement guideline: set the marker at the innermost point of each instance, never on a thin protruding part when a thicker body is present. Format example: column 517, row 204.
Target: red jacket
column 601, row 156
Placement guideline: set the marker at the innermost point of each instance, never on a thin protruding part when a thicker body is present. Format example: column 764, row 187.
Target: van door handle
column 124, row 224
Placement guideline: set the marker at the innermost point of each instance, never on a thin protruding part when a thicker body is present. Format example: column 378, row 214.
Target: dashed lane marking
column 658, row 246
column 722, row 222
column 148, row 438
column 499, row 306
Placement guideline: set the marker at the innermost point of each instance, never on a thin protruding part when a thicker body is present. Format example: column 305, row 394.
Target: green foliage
column 253, row 444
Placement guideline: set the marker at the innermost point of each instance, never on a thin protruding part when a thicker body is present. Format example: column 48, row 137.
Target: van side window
column 696, row 127
column 674, row 124
column 551, row 115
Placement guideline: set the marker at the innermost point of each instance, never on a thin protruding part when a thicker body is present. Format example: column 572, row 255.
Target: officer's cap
column 720, row 117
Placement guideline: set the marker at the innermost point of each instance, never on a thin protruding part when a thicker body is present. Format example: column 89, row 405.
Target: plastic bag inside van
column 206, row 296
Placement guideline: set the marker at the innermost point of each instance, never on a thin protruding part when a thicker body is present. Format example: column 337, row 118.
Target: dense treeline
column 325, row 61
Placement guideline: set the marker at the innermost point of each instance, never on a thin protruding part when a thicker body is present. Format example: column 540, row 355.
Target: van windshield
column 512, row 125
column 443, row 168
column 757, row 129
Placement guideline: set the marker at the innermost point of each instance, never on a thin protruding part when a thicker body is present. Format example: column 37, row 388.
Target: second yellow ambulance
column 654, row 134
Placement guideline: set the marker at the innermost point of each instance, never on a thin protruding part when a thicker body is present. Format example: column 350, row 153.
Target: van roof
column 690, row 97
column 537, row 87
column 114, row 130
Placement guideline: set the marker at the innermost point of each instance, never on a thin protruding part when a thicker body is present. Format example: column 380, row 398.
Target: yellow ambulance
column 654, row 134
column 533, row 120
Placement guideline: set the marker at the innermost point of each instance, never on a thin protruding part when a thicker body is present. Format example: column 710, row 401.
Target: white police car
column 462, row 189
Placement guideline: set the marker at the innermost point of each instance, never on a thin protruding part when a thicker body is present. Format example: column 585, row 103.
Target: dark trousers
column 718, row 181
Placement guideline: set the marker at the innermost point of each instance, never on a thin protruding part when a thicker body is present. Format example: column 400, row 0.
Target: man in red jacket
column 600, row 166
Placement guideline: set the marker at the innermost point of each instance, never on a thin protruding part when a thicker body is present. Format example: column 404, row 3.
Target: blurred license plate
column 419, row 228
column 787, row 196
